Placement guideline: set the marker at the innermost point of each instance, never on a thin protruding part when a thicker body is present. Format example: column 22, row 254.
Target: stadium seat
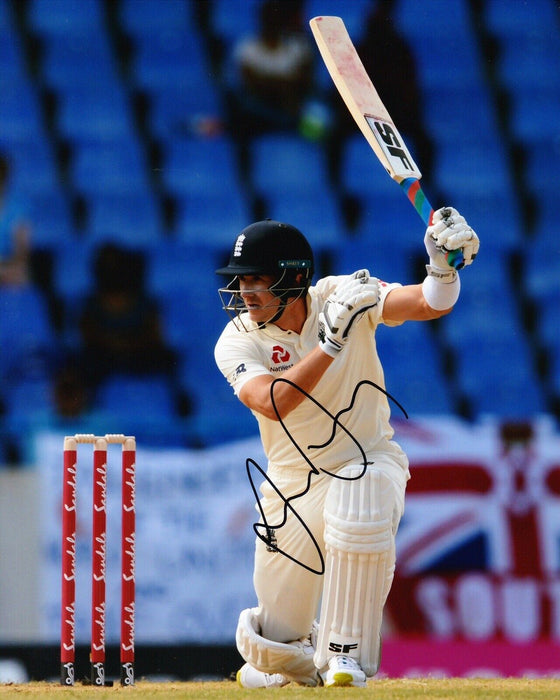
column 318, row 216
column 534, row 114
column 51, row 220
column 381, row 257
column 514, row 19
column 131, row 218
column 199, row 166
column 180, row 269
column 499, row 378
column 232, row 19
column 472, row 168
column 12, row 65
column 287, row 162
column 27, row 338
column 140, row 19
column 34, row 164
column 213, row 217
column 538, row 69
column 476, row 120
column 20, row 113
column 413, row 370
column 100, row 114
column 418, row 20
column 63, row 17
column 167, row 59
column 71, row 61
column 115, row 167
column 174, row 111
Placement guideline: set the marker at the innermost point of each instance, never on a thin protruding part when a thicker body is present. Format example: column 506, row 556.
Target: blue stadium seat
column 34, row 164
column 198, row 166
column 417, row 20
column 317, row 216
column 480, row 207
column 151, row 396
column 186, row 271
column 131, row 218
column 542, row 169
column 20, row 113
column 52, row 226
column 140, row 19
column 287, row 162
column 12, row 66
column 175, row 111
column 413, row 369
column 534, row 114
column 499, row 378
column 453, row 59
column 168, row 59
column 63, row 17
column 542, row 266
column 214, row 217
column 362, row 174
column 472, row 168
column 99, row 114
column 381, row 257
column 115, row 167
column 476, row 120
column 487, row 306
column 232, row 19
column 512, row 19
column 27, row 338
column 73, row 273
column 541, row 56
column 548, row 319
column 71, row 61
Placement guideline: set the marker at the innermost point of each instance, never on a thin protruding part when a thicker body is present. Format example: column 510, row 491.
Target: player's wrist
column 330, row 347
column 444, row 274
column 441, row 288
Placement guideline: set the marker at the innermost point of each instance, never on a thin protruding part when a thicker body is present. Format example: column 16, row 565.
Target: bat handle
column 419, row 201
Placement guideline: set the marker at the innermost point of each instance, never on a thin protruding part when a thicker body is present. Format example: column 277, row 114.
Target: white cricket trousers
column 289, row 594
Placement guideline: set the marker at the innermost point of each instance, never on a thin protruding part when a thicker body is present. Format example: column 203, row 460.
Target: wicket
column 98, row 558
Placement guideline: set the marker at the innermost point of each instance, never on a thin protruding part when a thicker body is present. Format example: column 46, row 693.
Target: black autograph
column 265, row 531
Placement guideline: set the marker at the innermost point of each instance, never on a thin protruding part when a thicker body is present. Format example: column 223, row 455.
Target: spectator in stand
column 272, row 78
column 14, row 232
column 120, row 324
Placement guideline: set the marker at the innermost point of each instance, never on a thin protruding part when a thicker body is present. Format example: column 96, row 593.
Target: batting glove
column 449, row 233
column 344, row 308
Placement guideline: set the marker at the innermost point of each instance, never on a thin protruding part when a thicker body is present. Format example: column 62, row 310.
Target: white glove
column 447, row 240
column 344, row 308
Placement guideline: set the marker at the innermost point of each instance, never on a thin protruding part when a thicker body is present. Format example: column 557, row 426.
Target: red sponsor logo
column 279, row 354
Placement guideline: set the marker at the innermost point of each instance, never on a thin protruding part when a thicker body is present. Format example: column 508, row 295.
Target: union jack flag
column 495, row 514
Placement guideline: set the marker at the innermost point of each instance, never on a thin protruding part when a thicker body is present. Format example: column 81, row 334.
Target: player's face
column 260, row 302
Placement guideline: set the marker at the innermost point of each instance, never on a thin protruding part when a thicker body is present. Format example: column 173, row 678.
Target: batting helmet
column 269, row 248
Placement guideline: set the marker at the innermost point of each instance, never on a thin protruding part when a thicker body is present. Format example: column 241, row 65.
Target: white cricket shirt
column 309, row 432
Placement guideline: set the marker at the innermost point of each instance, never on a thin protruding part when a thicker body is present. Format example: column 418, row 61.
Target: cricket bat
column 360, row 96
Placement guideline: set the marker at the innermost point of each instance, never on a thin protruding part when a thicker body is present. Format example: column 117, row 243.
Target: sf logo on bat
column 393, row 146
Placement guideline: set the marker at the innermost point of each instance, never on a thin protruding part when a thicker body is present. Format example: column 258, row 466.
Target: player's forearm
column 305, row 375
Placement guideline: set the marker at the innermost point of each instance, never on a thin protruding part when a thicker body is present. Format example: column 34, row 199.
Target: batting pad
column 359, row 567
column 293, row 660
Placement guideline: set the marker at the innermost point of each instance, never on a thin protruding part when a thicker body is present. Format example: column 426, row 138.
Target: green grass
column 396, row 689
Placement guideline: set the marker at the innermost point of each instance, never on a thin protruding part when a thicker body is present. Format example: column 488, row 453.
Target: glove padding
column 449, row 232
column 344, row 308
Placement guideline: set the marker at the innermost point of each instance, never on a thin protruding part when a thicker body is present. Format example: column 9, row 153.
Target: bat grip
column 419, row 201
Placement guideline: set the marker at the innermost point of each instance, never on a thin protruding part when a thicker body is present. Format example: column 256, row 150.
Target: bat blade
column 365, row 105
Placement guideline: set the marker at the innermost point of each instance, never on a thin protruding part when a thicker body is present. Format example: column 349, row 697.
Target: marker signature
column 266, row 531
